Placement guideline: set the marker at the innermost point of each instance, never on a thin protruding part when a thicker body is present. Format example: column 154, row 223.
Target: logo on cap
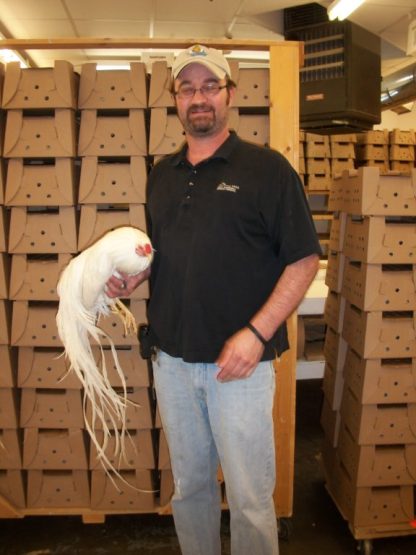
column 198, row 50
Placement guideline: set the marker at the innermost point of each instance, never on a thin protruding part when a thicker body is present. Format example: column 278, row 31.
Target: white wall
column 391, row 120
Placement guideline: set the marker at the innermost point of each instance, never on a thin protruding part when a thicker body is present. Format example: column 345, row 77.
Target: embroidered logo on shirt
column 225, row 187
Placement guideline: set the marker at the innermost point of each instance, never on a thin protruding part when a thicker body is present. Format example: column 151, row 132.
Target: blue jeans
column 207, row 422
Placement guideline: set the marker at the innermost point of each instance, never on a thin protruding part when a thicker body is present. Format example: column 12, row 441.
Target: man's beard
column 203, row 123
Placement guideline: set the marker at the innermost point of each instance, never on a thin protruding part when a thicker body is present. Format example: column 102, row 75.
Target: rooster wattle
column 82, row 301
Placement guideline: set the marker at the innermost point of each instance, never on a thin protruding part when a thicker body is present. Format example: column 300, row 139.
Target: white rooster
column 82, row 300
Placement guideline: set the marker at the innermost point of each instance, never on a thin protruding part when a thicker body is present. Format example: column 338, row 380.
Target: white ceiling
column 239, row 19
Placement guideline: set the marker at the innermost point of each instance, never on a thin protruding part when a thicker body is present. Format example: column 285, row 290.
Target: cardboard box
column 51, row 408
column 318, row 166
column 40, row 367
column 5, row 320
column 334, row 310
column 134, row 492
column 330, row 421
column 10, row 449
column 367, row 192
column 343, row 150
column 402, row 152
column 337, row 232
column 43, row 232
column 12, row 488
column 372, row 508
column 114, row 327
column 378, row 424
column 34, row 324
column 4, row 275
column 378, row 334
column 166, row 132
column 54, row 449
column 338, row 165
column 9, row 403
column 374, row 136
column 254, row 128
column 56, row 489
column 372, row 152
column 318, row 182
column 253, row 87
column 402, row 166
column 317, row 150
column 41, row 184
column 164, row 456
column 377, row 465
column 333, row 385
column 139, row 413
column 4, row 229
column 335, row 349
column 94, row 223
column 378, row 381
column 378, row 240
column 114, row 182
column 139, row 452
column 402, row 137
column 2, row 178
column 113, row 89
column 40, row 136
column 334, row 271
column 160, row 81
column 382, row 165
column 35, row 279
column 55, row 87
column 8, row 369
column 135, row 369
column 374, row 287
column 112, row 135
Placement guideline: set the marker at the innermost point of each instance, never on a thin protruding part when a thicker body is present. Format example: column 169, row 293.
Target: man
column 235, row 251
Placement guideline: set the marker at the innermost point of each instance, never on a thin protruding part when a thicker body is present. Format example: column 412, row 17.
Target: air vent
column 300, row 17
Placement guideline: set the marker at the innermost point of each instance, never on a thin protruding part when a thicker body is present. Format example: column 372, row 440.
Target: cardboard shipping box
column 41, row 184
column 45, row 367
column 134, row 368
column 367, row 192
column 378, row 424
column 10, row 449
column 37, row 136
column 380, row 334
column 12, row 488
column 9, row 406
column 377, row 381
column 4, row 275
column 51, row 408
column 138, row 455
column 335, row 349
column 335, row 271
column 379, row 240
column 110, row 493
column 5, row 321
column 377, row 465
column 112, row 135
column 114, row 182
column 55, row 87
column 34, row 324
column 35, row 279
column 95, row 222
column 334, row 310
column 54, row 449
column 333, row 385
column 374, row 287
column 43, row 231
column 8, row 369
column 253, row 87
column 58, row 489
column 113, row 89
column 4, row 229
column 337, row 232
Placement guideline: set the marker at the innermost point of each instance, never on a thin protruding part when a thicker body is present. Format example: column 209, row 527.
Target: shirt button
column 191, row 184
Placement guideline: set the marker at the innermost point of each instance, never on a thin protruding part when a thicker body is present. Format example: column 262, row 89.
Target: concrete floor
column 316, row 526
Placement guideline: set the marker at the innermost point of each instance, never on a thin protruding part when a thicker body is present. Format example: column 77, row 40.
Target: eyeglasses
column 209, row 89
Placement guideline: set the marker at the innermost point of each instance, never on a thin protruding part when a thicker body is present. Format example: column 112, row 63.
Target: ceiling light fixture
column 341, row 9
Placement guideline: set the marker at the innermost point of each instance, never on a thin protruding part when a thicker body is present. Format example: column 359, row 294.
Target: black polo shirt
column 223, row 231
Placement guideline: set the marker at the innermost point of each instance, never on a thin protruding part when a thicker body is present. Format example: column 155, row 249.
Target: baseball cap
column 212, row 58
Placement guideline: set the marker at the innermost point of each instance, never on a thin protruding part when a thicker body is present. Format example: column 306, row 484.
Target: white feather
column 82, row 300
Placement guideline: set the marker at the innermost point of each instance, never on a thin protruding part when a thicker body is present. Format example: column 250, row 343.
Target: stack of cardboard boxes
column 387, row 150
column 369, row 382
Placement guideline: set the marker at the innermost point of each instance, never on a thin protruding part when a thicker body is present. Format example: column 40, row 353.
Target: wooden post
column 284, row 137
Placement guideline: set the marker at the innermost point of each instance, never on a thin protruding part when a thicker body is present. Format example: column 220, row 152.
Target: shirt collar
column 223, row 152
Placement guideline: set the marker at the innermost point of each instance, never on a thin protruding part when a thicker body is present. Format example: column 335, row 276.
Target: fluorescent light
column 341, row 9
column 7, row 56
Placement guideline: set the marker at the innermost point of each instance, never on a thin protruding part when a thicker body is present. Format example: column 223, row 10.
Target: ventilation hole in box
column 103, row 193
column 34, row 337
column 42, row 280
column 54, row 451
column 49, row 369
column 26, row 98
column 101, row 146
column 37, row 135
column 46, row 97
column 112, row 88
column 36, row 87
column 122, row 99
column 48, row 195
column 112, row 135
column 123, row 146
column 53, row 244
column 114, row 182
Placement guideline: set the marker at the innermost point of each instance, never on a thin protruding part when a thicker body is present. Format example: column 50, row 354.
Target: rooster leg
column 129, row 322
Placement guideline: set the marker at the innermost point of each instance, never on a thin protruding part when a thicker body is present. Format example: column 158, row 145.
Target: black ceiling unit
column 340, row 81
